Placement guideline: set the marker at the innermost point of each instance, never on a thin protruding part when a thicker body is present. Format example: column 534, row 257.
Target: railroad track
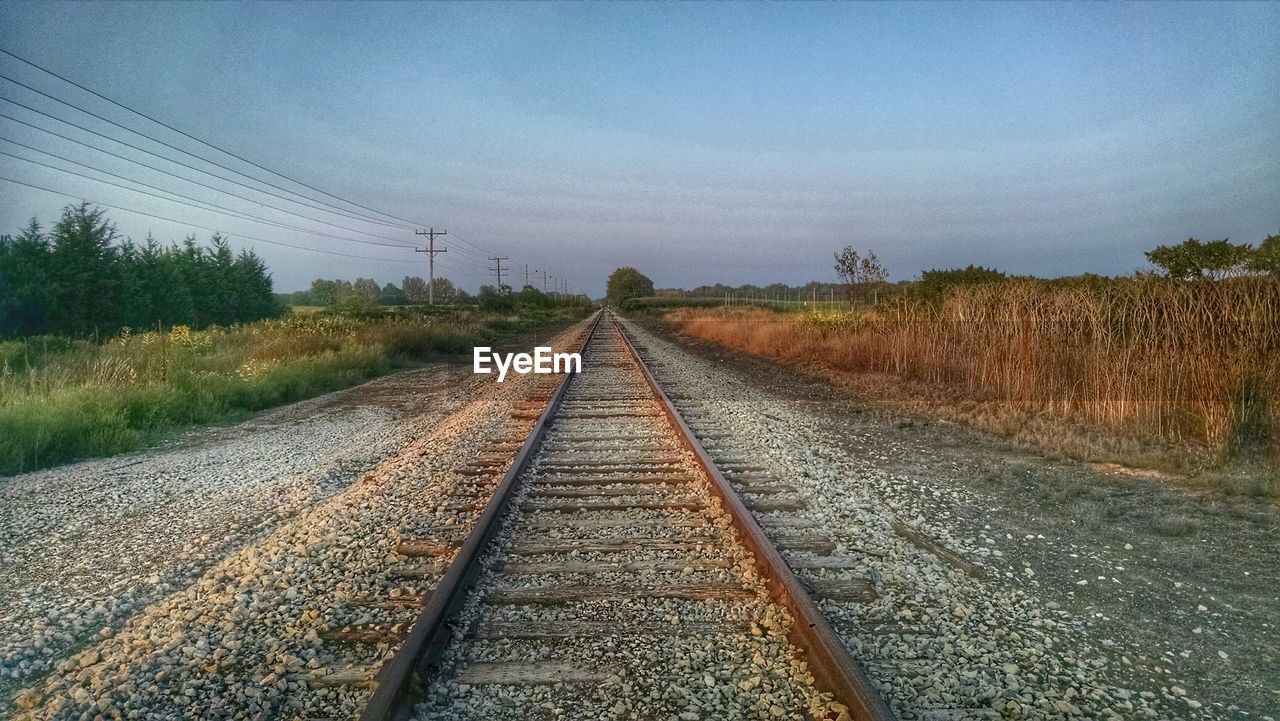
column 616, row 572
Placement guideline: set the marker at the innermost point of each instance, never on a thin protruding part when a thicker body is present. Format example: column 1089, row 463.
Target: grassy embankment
column 63, row 400
column 1141, row 371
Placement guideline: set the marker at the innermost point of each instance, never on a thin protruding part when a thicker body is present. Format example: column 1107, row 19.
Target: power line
column 477, row 247
column 213, row 207
column 198, row 140
column 498, row 260
column 180, row 150
column 327, row 207
column 431, row 251
column 175, row 175
column 167, row 159
column 194, row 225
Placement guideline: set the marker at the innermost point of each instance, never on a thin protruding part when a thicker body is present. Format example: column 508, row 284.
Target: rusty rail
column 404, row 676
column 834, row 669
column 403, row 680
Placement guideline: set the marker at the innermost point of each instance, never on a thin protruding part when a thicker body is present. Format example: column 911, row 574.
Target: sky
column 700, row 143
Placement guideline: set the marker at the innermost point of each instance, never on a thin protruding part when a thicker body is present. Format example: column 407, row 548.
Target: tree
column 1191, row 259
column 324, row 292
column 494, row 299
column 414, row 288
column 85, row 272
column 862, row 273
column 627, row 283
column 1266, row 258
column 531, row 297
column 935, row 283
column 447, row 292
column 81, row 278
column 391, row 295
column 367, row 289
column 26, row 291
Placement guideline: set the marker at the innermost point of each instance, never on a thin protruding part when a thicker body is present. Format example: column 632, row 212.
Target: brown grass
column 1146, row 370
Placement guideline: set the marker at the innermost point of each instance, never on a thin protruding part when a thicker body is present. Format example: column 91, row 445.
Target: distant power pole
column 526, row 274
column 498, row 262
column 544, row 281
column 431, row 251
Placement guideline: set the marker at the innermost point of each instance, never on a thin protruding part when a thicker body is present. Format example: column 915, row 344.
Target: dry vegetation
column 1145, row 371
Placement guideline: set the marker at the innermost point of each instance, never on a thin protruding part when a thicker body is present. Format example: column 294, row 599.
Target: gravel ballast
column 212, row 568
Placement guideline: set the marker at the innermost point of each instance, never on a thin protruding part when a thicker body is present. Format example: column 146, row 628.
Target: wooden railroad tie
column 523, row 568
column 552, row 630
column 535, row 673
column 861, row 590
column 554, row 595
column 582, row 506
column 919, row 539
column 606, row 545
column 603, row 481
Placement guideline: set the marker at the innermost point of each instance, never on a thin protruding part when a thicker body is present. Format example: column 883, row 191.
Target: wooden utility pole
column 431, row 251
column 498, row 269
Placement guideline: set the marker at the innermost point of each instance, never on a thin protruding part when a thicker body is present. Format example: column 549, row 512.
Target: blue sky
column 700, row 143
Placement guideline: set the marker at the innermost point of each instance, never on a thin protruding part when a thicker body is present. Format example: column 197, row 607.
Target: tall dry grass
column 1191, row 366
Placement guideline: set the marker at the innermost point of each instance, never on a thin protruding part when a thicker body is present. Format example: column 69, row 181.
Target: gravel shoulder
column 1126, row 594
column 88, row 548
column 85, row 545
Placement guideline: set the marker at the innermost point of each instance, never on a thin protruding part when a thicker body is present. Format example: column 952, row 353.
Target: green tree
column 495, row 300
column 324, row 292
column 935, row 283
column 1191, row 259
column 862, row 273
column 447, row 292
column 26, row 289
column 391, row 295
column 1266, row 258
column 415, row 289
column 252, row 284
column 85, row 273
column 627, row 283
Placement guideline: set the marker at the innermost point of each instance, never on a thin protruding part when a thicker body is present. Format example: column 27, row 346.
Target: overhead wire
column 213, row 206
column 199, row 140
column 157, row 155
column 467, row 248
column 195, row 225
column 109, row 121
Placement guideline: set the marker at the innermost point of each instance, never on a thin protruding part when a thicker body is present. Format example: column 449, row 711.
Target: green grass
column 62, row 401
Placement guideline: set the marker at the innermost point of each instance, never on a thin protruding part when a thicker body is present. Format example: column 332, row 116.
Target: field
column 1141, row 371
column 62, row 400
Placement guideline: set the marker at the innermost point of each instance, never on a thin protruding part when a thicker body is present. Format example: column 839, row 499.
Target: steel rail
column 834, row 669
column 406, row 674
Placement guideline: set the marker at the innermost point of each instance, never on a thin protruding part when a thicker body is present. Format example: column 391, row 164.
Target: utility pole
column 431, row 251
column 498, row 261
column 526, row 274
column 544, row 281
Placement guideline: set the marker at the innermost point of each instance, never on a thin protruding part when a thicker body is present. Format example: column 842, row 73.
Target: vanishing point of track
column 611, row 560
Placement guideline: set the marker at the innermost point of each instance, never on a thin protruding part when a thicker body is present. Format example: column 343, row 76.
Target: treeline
column 82, row 278
column 365, row 294
column 1191, row 259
